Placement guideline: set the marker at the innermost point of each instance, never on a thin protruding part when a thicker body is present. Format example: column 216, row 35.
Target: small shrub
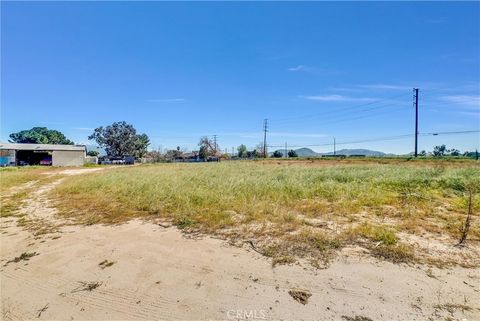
column 184, row 222
column 399, row 253
column 284, row 259
column 377, row 234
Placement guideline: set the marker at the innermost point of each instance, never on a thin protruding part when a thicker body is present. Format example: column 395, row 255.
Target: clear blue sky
column 178, row 71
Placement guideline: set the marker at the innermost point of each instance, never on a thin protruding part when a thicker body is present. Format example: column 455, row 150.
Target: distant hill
column 301, row 152
column 307, row 152
column 349, row 152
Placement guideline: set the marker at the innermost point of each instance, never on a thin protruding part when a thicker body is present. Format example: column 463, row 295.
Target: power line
column 335, row 121
column 336, row 111
column 378, row 139
column 351, row 142
column 451, row 133
column 334, row 118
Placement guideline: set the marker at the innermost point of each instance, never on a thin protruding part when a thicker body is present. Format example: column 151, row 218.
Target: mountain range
column 307, row 152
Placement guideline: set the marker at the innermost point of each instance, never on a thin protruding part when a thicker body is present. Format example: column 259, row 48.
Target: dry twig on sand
column 42, row 310
column 86, row 286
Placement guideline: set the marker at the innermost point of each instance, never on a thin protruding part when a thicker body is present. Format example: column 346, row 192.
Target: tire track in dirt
column 103, row 298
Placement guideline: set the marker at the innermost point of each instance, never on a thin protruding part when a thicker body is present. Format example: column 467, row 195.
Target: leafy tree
column 121, row 139
column 454, row 152
column 202, row 153
column 252, row 154
column 439, row 151
column 242, row 151
column 141, row 144
column 154, row 156
column 173, row 154
column 471, row 154
column 40, row 135
column 208, row 147
column 277, row 154
column 292, row 153
column 422, row 153
column 92, row 153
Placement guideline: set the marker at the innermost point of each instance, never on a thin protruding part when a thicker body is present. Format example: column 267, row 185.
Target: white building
column 42, row 154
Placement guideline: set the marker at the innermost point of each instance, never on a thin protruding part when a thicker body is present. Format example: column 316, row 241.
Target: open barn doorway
column 34, row 157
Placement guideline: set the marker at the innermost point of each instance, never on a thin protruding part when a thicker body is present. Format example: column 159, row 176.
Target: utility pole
column 286, row 152
column 415, row 103
column 215, row 143
column 334, row 147
column 265, row 129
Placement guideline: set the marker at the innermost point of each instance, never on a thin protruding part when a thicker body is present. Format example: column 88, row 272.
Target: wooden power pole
column 415, row 103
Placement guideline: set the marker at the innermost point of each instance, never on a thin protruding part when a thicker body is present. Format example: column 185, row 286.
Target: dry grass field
column 291, row 210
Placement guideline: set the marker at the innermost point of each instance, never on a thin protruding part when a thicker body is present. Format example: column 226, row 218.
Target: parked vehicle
column 117, row 160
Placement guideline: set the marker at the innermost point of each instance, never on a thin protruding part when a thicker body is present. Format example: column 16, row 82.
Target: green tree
column 92, row 153
column 292, row 153
column 202, row 153
column 121, row 139
column 40, row 135
column 439, row 151
column 141, row 145
column 454, row 152
column 277, row 154
column 252, row 154
column 242, row 151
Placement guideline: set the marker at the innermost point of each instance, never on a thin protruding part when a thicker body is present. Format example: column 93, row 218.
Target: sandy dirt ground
column 160, row 274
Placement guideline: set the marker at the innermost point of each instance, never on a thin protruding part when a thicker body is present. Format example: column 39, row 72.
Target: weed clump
column 299, row 295
column 23, row 257
column 307, row 243
column 184, row 222
column 399, row 253
column 376, row 233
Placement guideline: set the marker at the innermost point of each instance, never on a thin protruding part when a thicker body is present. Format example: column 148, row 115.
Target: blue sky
column 178, row 71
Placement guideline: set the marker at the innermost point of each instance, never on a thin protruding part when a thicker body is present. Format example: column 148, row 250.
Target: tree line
column 121, row 139
column 118, row 139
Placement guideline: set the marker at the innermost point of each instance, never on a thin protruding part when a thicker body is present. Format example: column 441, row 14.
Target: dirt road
column 152, row 272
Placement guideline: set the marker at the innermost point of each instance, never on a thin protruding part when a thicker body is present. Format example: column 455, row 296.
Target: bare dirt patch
column 173, row 277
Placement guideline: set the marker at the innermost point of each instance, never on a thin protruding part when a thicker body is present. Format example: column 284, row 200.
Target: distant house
column 191, row 157
column 41, row 154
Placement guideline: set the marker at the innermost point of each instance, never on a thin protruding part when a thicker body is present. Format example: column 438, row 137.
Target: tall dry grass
column 219, row 195
column 286, row 207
